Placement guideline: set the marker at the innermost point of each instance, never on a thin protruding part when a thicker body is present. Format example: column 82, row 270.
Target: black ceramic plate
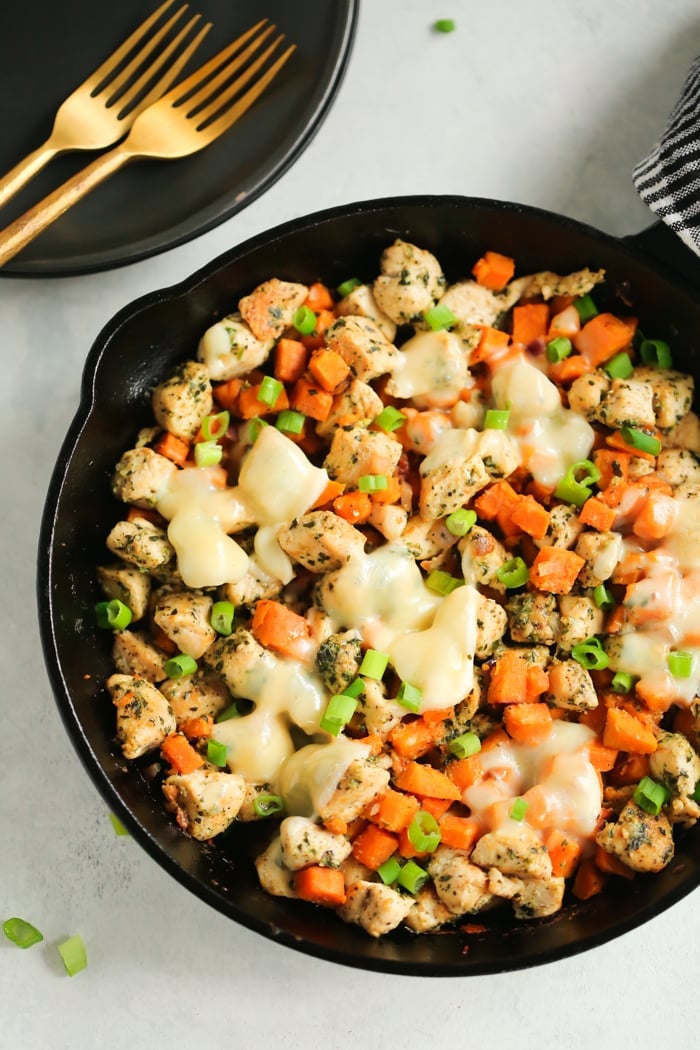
column 154, row 205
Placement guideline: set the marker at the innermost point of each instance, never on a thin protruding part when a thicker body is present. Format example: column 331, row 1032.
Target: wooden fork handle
column 19, row 233
column 20, row 175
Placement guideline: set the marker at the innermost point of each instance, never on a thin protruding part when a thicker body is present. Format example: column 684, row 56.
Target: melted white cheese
column 309, row 777
column 277, row 480
column 431, row 363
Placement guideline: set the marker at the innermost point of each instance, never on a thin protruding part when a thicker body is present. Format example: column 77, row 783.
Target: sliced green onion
column 680, row 663
column 180, row 665
column 116, row 823
column 207, row 453
column 424, row 832
column 641, row 440
column 496, row 419
column 650, row 796
column 412, row 877
column 590, row 654
column 461, row 521
column 558, row 349
column 254, row 427
column 73, row 954
column 216, row 752
column 602, row 597
column 390, row 419
column 374, row 664
column 304, row 321
column 266, row 805
column 442, row 582
column 372, row 483
column 338, row 713
column 622, row 682
column 585, row 308
column 574, row 487
column 215, row 426
column 696, row 794
column 113, row 615
column 620, row 366
column 445, row 25
column 465, row 746
column 656, row 352
column 21, row 933
column 238, row 709
column 221, row 619
column 348, row 286
column 513, row 573
column 409, row 696
column 270, row 390
column 439, row 317
column 290, row 421
column 518, row 809
column 389, row 871
column 355, row 688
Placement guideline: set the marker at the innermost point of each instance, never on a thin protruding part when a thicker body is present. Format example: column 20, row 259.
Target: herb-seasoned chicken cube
column 461, row 886
column 472, row 304
column 361, row 783
column 359, row 400
column 628, row 403
column 428, row 911
column 379, row 713
column 563, row 529
column 206, row 801
column 321, row 541
column 133, row 654
column 363, row 346
column 411, row 281
column 685, row 434
column 233, row 658
column 197, row 695
column 229, row 349
column 127, row 585
column 270, row 307
column 571, row 686
column 672, row 394
column 514, row 851
column 360, row 302
column 533, row 618
column 144, row 716
column 185, row 617
column 389, row 520
column 425, row 539
column 587, row 392
column 579, row 619
column 356, row 451
column 255, row 585
column 538, row 898
column 305, row 843
column 482, row 556
column 678, row 466
column 449, row 485
column 642, row 841
column 275, row 879
column 142, row 544
column 491, row 623
column 601, row 552
column 675, row 764
column 548, row 284
column 338, row 660
column 142, row 476
column 375, row 907
column 182, row 401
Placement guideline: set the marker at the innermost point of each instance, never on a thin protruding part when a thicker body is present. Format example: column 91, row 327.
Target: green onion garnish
column 73, row 954
column 439, row 317
column 461, row 521
column 513, row 573
column 465, row 746
column 445, row 25
column 409, row 696
column 355, row 688
column 518, row 809
column 116, row 823
column 221, row 619
column 389, row 871
column 215, row 425
column 641, row 440
column 348, row 286
column 650, row 796
column 21, row 933
column 113, row 615
column 558, row 349
column 374, row 664
column 412, row 877
column 656, row 352
column 585, row 308
column 180, row 665
column 207, row 453
column 602, row 597
column 217, row 752
column 442, row 582
column 590, row 654
column 372, row 483
column 270, row 390
column 680, row 663
column 390, row 419
column 304, row 321
column 619, row 367
column 254, row 427
column 622, row 682
column 238, row 709
column 266, row 805
column 290, row 421
column 424, row 832
column 496, row 419
column 574, row 487
column 338, row 713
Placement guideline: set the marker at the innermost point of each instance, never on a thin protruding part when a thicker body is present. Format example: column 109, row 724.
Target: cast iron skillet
column 141, row 345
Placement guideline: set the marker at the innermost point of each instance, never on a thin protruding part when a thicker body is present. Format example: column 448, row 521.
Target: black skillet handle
column 662, row 245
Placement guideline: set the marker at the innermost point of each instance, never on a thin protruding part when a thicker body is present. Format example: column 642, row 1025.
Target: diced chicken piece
column 185, row 619
column 548, row 284
column 411, row 281
column 514, row 851
column 142, row 476
column 587, row 392
column 388, row 519
column 685, row 434
column 195, row 696
column 424, row 539
column 676, row 764
column 449, row 485
column 461, row 886
column 683, row 810
column 360, row 302
column 379, row 712
column 375, row 907
column 539, row 897
column 321, row 625
column 206, row 801
column 472, row 304
column 672, row 394
column 563, row 529
column 229, row 349
column 482, row 557
column 361, row 783
column 356, row 451
column 491, row 624
column 359, row 400
column 248, row 813
column 270, row 307
column 144, row 716
column 146, row 436
column 504, row 886
column 253, row 587
column 428, row 911
column 133, row 654
column 579, row 619
column 274, row 877
column 234, row 657
column 639, row 467
column 465, row 712
column 643, row 842
column 678, row 466
column 181, row 402
column 305, row 843
column 628, row 402
column 128, row 585
column 321, row 541
column 338, row 660
column 571, row 686
column 354, row 872
column 363, row 346
column 533, row 618
column 601, row 552
column 142, row 544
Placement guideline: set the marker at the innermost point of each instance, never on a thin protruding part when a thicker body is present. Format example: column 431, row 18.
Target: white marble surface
column 546, row 103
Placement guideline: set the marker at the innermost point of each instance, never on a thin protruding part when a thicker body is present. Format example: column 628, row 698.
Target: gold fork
column 192, row 115
column 95, row 115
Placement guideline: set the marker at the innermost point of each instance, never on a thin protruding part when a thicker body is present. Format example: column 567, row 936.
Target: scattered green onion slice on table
column 641, row 440
column 574, row 487
column 21, row 933
column 439, row 317
column 217, row 752
column 465, row 745
column 518, row 809
column 372, row 483
column 460, row 521
column 73, row 954
column 603, row 597
column 412, row 877
column 680, row 663
column 266, row 804
column 585, row 308
column 270, row 390
column 390, row 419
column 221, row 619
column 348, row 286
column 656, row 352
column 622, row 682
column 215, row 425
column 389, row 871
column 559, row 348
column 620, row 366
column 304, row 320
column 207, row 453
column 409, row 696
column 180, row 665
column 424, row 832
column 445, row 25
column 374, row 664
column 113, row 615
column 590, row 654
column 650, row 796
column 442, row 582
column 496, row 419
column 338, row 713
column 513, row 573
column 290, row 422
column 116, row 823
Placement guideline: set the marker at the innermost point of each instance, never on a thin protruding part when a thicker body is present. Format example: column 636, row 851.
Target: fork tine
column 116, row 83
column 111, row 63
column 171, row 72
column 215, row 103
column 201, row 97
column 180, row 92
column 226, row 120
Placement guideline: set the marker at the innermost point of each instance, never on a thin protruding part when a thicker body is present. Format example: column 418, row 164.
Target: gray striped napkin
column 668, row 179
